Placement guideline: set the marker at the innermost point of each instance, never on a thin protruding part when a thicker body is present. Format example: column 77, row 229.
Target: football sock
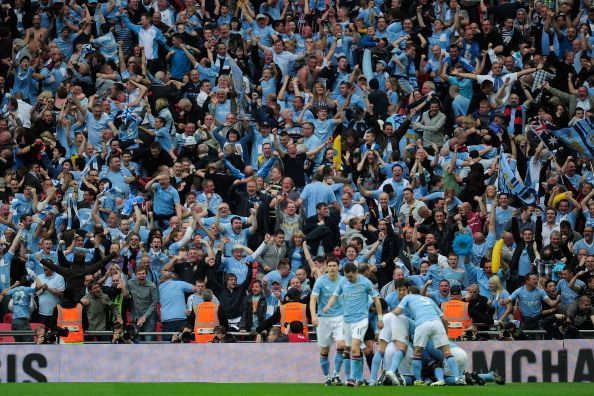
column 487, row 377
column 357, row 368
column 452, row 365
column 375, row 364
column 347, row 366
column 338, row 359
column 325, row 364
column 396, row 359
column 438, row 373
column 417, row 366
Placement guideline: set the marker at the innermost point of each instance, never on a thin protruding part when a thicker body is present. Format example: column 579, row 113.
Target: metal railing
column 240, row 336
column 249, row 337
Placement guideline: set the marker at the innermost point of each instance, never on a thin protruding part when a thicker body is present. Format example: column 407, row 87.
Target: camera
column 183, row 337
column 124, row 334
column 130, row 332
column 563, row 328
column 51, row 335
column 469, row 335
column 511, row 332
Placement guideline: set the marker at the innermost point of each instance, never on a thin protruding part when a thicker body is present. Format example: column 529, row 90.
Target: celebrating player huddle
column 340, row 308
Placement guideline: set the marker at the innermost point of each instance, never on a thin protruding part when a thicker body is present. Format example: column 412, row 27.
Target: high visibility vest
column 71, row 319
column 207, row 318
column 290, row 312
column 456, row 313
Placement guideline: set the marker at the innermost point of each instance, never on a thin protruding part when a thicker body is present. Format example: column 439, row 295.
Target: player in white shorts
column 330, row 325
column 396, row 329
column 356, row 290
column 429, row 325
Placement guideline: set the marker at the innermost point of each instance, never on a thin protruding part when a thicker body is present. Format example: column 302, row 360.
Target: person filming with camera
column 123, row 335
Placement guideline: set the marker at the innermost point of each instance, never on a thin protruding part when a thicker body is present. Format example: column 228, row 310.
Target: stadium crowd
column 196, row 164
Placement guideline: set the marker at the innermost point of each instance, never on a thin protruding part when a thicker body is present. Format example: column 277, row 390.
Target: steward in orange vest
column 71, row 319
column 206, row 318
column 291, row 310
column 455, row 312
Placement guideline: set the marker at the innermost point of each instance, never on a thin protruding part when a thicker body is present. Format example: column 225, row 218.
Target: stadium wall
column 533, row 361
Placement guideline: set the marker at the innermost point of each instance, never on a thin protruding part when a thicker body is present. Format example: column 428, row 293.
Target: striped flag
column 510, row 183
column 92, row 163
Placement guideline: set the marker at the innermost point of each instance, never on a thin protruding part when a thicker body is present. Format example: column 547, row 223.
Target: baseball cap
column 500, row 115
column 236, row 247
column 456, row 289
column 260, row 16
column 293, row 294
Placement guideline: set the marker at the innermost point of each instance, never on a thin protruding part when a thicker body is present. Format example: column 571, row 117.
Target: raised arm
column 254, row 218
column 308, row 258
column 420, row 16
column 471, row 76
column 587, row 199
column 91, row 269
column 16, row 241
column 247, row 12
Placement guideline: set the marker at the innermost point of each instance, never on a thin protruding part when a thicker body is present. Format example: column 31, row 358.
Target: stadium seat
column 6, row 339
column 7, row 318
column 158, row 329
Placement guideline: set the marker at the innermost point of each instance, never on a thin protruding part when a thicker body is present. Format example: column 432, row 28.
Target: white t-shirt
column 498, row 84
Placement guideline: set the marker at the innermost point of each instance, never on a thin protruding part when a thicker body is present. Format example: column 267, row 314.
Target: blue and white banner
column 510, row 183
column 237, row 77
column 579, row 137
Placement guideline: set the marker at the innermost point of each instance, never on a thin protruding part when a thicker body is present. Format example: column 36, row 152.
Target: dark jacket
column 390, row 247
column 150, row 164
column 380, row 102
column 246, row 322
column 75, row 275
column 231, row 301
column 331, row 222
column 244, row 203
column 480, row 311
column 443, row 237
column 383, row 139
column 521, row 245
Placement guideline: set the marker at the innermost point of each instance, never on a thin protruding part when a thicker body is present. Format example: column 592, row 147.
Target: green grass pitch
column 192, row 389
